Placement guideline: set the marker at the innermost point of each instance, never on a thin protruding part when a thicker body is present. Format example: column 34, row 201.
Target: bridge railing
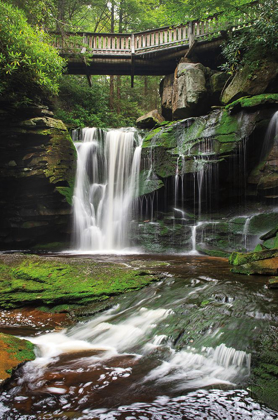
column 148, row 41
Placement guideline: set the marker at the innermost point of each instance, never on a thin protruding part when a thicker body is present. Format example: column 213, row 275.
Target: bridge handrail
column 146, row 41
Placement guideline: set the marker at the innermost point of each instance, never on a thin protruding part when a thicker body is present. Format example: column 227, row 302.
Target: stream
column 180, row 348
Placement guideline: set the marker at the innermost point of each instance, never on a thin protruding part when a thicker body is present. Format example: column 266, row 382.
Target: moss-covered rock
column 238, row 258
column 52, row 282
column 249, row 82
column 268, row 266
column 253, row 102
column 13, row 351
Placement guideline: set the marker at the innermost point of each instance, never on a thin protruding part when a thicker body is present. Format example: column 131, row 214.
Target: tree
column 30, row 68
column 180, row 11
column 256, row 42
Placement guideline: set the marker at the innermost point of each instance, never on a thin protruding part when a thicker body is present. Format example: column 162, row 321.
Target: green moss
column 161, row 137
column 67, row 191
column 19, row 350
column 227, row 129
column 146, row 185
column 147, row 142
column 205, row 303
column 258, row 248
column 238, row 258
column 41, row 281
column 253, row 101
column 271, row 243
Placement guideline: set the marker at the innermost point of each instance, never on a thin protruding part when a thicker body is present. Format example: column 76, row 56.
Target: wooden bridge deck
column 153, row 52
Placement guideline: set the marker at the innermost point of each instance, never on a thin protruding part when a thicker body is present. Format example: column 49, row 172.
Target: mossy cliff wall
column 210, row 169
column 37, row 168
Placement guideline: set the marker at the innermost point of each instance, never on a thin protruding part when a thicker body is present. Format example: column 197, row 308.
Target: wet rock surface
column 37, row 168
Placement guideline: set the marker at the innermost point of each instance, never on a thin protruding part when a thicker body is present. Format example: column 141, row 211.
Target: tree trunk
column 119, row 82
column 111, row 100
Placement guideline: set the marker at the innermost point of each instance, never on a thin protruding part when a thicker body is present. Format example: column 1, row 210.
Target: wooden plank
column 179, row 34
column 169, row 36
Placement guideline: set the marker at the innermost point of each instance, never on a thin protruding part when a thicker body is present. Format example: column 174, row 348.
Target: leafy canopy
column 30, row 67
column 253, row 44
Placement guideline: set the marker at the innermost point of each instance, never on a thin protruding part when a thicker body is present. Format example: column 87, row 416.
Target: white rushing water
column 271, row 136
column 115, row 333
column 107, row 173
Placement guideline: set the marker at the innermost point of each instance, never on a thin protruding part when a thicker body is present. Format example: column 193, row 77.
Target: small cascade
column 179, row 180
column 206, row 177
column 245, row 232
column 106, row 184
column 271, row 136
column 193, row 239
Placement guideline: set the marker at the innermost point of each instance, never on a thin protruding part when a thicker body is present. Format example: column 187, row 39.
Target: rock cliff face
column 211, row 181
column 37, row 167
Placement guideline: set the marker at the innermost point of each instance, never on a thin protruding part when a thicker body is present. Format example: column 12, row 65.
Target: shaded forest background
column 31, row 70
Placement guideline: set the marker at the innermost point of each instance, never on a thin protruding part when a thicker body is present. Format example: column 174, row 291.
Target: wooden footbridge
column 153, row 52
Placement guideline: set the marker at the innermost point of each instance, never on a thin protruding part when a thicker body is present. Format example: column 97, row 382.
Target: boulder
column 217, row 82
column 150, row 120
column 189, row 91
column 166, row 93
column 248, row 82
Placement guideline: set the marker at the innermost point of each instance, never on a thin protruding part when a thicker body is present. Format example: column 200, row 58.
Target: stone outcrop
column 37, row 167
column 263, row 260
column 190, row 91
column 248, row 82
column 150, row 120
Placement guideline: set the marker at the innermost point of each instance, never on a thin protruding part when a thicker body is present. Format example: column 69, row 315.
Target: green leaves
column 255, row 42
column 29, row 66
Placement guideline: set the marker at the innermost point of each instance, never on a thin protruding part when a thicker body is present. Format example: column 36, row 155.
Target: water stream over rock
column 178, row 349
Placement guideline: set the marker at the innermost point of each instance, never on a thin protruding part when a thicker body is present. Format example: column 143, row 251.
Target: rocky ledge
column 37, row 168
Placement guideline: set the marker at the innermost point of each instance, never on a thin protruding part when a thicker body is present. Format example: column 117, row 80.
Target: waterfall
column 271, row 136
column 245, row 232
column 107, row 173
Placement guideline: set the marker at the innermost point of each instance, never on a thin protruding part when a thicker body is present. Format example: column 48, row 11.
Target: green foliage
column 79, row 105
column 181, row 11
column 252, row 44
column 30, row 67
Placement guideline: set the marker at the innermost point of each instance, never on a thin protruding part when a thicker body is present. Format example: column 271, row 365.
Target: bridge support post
column 191, row 34
column 132, row 69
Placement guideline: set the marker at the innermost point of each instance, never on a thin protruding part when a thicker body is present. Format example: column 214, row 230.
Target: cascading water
column 271, row 136
column 106, row 184
column 179, row 349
